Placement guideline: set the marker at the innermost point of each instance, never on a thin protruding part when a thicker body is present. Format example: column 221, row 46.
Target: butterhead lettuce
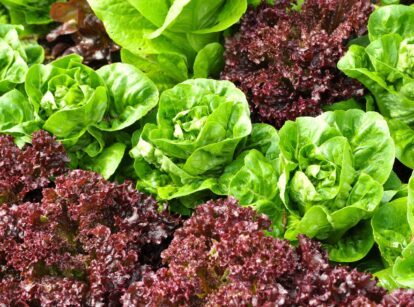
column 88, row 110
column 386, row 68
column 200, row 124
column 17, row 117
column 393, row 228
column 333, row 168
column 15, row 57
column 171, row 41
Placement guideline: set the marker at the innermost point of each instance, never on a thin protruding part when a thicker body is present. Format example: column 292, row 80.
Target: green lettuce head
column 170, row 40
column 393, row 228
column 386, row 68
column 333, row 168
column 17, row 117
column 200, row 124
column 88, row 110
column 252, row 178
column 15, row 57
column 68, row 96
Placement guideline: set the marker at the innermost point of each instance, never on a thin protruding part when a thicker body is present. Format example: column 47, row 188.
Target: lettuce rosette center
column 333, row 168
column 320, row 172
column 200, row 124
column 65, row 91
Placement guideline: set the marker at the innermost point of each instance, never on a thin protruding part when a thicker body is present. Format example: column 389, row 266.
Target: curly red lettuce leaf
column 82, row 241
column 23, row 173
column 221, row 256
column 284, row 60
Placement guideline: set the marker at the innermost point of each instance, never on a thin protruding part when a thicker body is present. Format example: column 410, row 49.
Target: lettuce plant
column 284, row 59
column 68, row 96
column 333, row 168
column 252, row 178
column 16, row 57
column 203, row 145
column 393, row 228
column 200, row 123
column 17, row 117
column 221, row 257
column 25, row 172
column 386, row 68
column 71, row 238
column 87, row 110
column 170, row 40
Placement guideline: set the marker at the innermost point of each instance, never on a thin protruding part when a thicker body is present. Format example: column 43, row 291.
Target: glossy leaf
column 132, row 96
column 326, row 183
column 202, row 126
column 17, row 117
column 15, row 57
column 386, row 68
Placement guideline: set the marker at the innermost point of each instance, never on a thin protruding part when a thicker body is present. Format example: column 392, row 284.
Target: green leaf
column 69, row 122
column 353, row 246
column 15, row 110
column 129, row 29
column 4, row 15
column 174, row 11
column 155, row 12
column 265, row 139
column 351, row 103
column 326, row 183
column 200, row 124
column 17, row 117
column 403, row 137
column 391, row 229
column 14, row 59
column 188, row 16
column 315, row 223
column 387, row 279
column 403, row 269
column 199, row 41
column 165, row 70
column 410, row 204
column 255, row 181
column 393, row 189
column 132, row 96
column 209, row 61
column 370, row 140
column 31, row 12
column 391, row 19
column 107, row 162
column 34, row 52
